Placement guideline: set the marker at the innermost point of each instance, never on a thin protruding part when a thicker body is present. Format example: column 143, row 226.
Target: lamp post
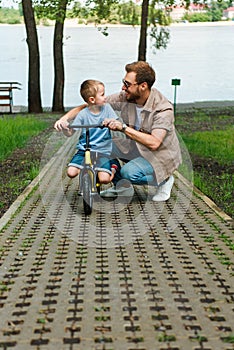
column 175, row 82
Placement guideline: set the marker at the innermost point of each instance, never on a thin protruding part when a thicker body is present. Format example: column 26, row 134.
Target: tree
column 101, row 10
column 215, row 9
column 143, row 32
column 129, row 13
column 55, row 10
column 153, row 15
column 59, row 78
column 34, row 91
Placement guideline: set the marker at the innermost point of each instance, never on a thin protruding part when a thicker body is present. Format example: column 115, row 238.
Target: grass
column 23, row 138
column 210, row 143
column 16, row 131
column 215, row 144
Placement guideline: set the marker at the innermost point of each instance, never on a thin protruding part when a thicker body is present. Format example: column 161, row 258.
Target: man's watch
column 124, row 126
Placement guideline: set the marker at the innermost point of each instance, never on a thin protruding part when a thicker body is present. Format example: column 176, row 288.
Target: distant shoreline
column 73, row 23
column 181, row 106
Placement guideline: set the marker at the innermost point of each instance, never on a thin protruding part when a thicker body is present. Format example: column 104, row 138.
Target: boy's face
column 100, row 98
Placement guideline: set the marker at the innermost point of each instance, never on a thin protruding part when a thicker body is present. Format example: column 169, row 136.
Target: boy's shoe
column 118, row 192
column 163, row 192
column 114, row 168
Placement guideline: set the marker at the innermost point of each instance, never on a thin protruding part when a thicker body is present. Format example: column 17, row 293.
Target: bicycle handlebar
column 86, row 126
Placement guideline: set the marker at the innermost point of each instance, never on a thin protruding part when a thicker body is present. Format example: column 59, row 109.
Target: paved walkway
column 135, row 275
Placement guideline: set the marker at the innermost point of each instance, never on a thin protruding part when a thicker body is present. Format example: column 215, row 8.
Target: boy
column 93, row 93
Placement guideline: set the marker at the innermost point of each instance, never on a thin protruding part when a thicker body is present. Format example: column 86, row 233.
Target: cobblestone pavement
column 134, row 275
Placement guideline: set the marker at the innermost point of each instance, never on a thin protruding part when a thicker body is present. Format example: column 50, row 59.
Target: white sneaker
column 164, row 191
column 118, row 192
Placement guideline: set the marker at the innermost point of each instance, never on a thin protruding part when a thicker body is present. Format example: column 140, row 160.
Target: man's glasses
column 127, row 84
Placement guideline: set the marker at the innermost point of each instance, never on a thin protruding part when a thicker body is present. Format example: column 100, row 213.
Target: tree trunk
column 34, row 91
column 143, row 33
column 58, row 95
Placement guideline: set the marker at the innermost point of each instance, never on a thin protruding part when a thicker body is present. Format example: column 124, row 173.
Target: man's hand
column 113, row 124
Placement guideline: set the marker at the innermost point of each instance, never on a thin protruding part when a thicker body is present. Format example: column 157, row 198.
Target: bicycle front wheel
column 87, row 194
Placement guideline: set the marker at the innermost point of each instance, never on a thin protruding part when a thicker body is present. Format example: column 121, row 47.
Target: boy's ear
column 92, row 100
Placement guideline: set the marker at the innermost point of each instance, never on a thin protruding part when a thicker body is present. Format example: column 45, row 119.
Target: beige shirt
column 157, row 113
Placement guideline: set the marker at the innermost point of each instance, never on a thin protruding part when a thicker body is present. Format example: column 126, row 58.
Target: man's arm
column 61, row 124
column 151, row 141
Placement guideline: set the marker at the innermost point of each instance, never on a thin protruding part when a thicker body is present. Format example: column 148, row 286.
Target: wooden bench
column 6, row 93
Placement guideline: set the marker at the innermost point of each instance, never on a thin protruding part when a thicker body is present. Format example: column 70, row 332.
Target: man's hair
column 144, row 72
column 89, row 88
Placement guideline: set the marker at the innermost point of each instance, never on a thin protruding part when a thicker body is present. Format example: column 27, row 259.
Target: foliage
column 215, row 10
column 160, row 37
column 114, row 11
column 10, row 16
column 101, row 11
column 47, row 9
column 159, row 31
column 197, row 17
column 129, row 13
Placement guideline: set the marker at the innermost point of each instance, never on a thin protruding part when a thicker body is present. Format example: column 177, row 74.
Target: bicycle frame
column 88, row 176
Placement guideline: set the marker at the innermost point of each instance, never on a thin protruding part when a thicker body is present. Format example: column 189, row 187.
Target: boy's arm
column 61, row 124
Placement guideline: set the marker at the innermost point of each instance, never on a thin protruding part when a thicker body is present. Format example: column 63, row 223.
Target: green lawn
column 16, row 131
column 209, row 140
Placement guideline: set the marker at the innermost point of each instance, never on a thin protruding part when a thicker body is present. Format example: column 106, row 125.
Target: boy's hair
column 144, row 72
column 89, row 88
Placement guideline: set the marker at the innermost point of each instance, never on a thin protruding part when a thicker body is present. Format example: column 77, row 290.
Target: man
column 150, row 148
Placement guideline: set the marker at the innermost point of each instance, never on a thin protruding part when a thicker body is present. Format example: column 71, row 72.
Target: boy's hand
column 61, row 125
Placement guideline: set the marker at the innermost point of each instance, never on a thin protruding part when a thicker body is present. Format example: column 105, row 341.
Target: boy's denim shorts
column 101, row 162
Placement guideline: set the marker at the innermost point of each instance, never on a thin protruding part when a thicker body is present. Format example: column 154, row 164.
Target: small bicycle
column 89, row 183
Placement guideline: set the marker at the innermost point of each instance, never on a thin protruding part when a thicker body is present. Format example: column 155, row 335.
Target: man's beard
column 133, row 97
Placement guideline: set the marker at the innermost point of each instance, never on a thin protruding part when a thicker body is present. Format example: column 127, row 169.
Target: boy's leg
column 75, row 164
column 105, row 168
column 104, row 177
column 72, row 171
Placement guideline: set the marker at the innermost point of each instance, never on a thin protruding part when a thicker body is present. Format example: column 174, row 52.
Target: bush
column 10, row 16
column 198, row 17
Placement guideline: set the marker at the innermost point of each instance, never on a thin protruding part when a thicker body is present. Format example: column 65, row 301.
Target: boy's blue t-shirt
column 100, row 139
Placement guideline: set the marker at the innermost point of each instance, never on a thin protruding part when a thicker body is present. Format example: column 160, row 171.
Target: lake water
column 201, row 56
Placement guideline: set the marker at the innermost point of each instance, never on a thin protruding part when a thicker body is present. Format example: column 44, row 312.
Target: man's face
column 131, row 87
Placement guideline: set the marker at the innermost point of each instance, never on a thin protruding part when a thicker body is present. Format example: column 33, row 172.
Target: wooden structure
column 6, row 93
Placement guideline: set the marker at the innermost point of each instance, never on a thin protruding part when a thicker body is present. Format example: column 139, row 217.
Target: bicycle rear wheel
column 87, row 194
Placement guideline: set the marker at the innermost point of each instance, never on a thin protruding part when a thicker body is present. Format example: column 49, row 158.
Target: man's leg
column 137, row 171
column 163, row 191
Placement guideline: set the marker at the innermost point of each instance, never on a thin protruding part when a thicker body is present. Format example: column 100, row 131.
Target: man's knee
column 137, row 172
column 127, row 173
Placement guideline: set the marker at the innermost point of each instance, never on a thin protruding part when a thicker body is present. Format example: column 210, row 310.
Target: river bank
column 73, row 23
